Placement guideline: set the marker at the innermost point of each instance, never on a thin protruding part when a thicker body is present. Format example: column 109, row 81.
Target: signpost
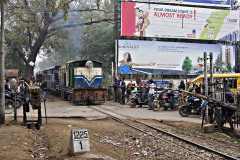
column 79, row 142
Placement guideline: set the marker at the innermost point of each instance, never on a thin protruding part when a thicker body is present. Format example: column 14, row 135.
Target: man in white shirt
column 151, row 93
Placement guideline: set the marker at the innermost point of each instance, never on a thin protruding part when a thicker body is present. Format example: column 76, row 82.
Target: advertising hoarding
column 216, row 3
column 164, row 21
column 134, row 54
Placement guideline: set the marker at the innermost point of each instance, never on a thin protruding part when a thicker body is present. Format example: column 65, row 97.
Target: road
column 61, row 108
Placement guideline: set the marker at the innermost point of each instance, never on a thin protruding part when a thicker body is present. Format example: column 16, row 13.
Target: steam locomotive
column 76, row 81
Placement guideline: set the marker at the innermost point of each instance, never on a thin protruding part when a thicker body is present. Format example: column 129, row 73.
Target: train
column 77, row 81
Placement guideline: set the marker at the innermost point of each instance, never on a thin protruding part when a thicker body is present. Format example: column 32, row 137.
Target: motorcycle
column 9, row 102
column 166, row 99
column 191, row 107
column 139, row 98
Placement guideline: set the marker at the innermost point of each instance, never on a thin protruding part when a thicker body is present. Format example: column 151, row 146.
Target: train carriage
column 51, row 75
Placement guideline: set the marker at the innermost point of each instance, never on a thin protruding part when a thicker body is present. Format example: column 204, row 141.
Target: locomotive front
column 87, row 82
column 89, row 76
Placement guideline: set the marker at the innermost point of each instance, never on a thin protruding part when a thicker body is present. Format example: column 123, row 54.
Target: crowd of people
column 123, row 91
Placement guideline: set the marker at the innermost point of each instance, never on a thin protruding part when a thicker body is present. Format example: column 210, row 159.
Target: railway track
column 213, row 142
column 189, row 148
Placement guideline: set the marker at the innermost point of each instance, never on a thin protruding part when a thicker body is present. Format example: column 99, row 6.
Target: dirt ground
column 109, row 140
column 57, row 134
column 52, row 140
column 16, row 142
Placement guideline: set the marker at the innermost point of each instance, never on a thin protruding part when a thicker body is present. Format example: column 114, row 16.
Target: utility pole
column 206, row 83
column 116, row 35
column 2, row 68
column 211, row 71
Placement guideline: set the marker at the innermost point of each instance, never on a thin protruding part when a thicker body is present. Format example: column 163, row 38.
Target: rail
column 162, row 131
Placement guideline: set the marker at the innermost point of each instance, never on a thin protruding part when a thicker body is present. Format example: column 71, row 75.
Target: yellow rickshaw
column 232, row 78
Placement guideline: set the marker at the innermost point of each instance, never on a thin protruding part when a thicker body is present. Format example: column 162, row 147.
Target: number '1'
column 81, row 144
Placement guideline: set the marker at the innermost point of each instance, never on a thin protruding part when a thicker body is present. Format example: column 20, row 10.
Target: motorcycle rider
column 7, row 88
column 181, row 85
column 228, row 93
column 151, row 94
column 171, row 94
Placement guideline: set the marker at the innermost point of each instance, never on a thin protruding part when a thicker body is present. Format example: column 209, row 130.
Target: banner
column 135, row 54
column 164, row 21
column 216, row 3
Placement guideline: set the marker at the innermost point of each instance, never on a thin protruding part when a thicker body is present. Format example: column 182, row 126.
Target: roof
column 158, row 71
column 11, row 72
column 53, row 67
column 224, row 75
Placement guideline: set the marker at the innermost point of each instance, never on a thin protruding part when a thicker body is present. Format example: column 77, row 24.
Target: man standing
column 45, row 93
column 151, row 93
column 129, row 90
column 23, row 90
column 115, row 87
column 123, row 88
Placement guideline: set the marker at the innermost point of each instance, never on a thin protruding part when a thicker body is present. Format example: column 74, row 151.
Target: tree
column 92, row 42
column 13, row 60
column 99, row 45
column 187, row 65
column 229, row 67
column 2, row 68
column 34, row 25
column 70, row 50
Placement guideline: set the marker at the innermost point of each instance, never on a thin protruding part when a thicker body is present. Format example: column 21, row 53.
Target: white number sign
column 80, row 141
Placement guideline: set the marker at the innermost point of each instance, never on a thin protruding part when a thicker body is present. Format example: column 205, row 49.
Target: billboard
column 135, row 54
column 216, row 3
column 164, row 21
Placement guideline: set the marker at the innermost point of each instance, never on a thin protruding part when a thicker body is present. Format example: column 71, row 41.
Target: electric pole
column 206, row 83
column 2, row 68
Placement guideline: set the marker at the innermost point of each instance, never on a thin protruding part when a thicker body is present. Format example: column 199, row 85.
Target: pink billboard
column 165, row 21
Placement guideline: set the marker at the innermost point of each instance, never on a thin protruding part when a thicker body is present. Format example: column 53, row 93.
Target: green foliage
column 62, row 5
column 187, row 65
column 99, row 45
column 70, row 50
column 229, row 67
column 13, row 61
column 35, row 26
column 92, row 42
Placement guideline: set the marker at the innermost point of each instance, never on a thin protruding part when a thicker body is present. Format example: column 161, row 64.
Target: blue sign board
column 208, row 2
column 160, row 83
